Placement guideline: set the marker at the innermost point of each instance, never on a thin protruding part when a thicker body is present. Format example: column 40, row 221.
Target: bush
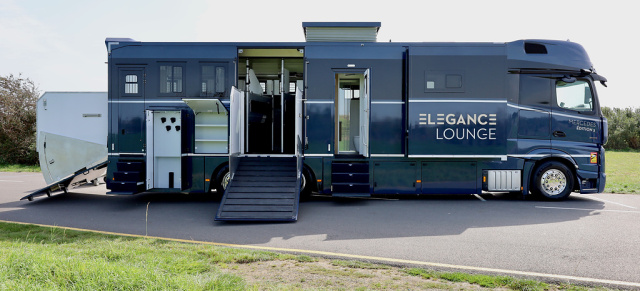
column 18, row 97
column 624, row 128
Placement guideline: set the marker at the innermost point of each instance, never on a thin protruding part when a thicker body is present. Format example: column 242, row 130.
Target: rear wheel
column 222, row 180
column 305, row 185
column 553, row 181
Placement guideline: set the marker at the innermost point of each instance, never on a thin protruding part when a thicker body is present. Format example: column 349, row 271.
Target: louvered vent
column 341, row 31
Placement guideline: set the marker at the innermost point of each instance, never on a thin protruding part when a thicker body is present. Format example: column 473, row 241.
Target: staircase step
column 262, row 189
column 261, row 201
column 127, row 176
column 260, row 195
column 260, row 208
column 130, row 166
column 234, row 189
column 264, row 179
column 289, row 183
column 126, row 186
column 257, row 216
column 265, row 173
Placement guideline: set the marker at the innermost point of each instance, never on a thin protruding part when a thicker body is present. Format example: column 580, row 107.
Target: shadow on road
column 191, row 216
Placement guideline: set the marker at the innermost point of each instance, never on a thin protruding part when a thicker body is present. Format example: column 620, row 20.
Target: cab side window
column 574, row 96
column 535, row 91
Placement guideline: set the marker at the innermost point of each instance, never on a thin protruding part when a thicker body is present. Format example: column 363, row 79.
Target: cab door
column 576, row 125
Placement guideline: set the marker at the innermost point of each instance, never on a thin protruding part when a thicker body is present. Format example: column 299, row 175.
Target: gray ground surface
column 593, row 236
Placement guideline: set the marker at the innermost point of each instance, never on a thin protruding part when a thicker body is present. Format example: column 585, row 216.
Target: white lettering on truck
column 461, row 126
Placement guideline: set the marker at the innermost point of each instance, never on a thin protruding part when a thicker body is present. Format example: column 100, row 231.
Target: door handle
column 558, row 133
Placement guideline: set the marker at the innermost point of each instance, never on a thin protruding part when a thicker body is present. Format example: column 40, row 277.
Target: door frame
column 364, row 119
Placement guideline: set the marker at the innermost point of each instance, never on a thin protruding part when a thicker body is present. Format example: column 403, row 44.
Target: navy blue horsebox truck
column 343, row 115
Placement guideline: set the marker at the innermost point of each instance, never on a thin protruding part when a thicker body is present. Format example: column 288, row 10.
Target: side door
column 534, row 114
column 365, row 108
column 131, row 115
column 576, row 125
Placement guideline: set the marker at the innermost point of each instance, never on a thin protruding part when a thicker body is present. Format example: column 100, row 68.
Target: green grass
column 623, row 172
column 51, row 258
column 482, row 280
column 38, row 258
column 19, row 168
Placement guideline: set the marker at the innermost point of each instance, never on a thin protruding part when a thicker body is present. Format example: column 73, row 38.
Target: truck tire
column 306, row 186
column 552, row 180
column 222, row 180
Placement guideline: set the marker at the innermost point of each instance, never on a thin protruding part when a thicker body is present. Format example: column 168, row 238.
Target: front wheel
column 553, row 181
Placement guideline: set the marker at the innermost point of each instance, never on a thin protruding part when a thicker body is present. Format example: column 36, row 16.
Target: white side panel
column 254, row 84
column 79, row 115
column 63, row 156
column 365, row 106
column 150, row 151
column 71, row 132
column 167, row 149
column 298, row 122
column 236, row 122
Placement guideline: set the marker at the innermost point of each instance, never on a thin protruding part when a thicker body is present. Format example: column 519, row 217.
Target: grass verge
column 49, row 258
column 623, row 170
column 19, row 168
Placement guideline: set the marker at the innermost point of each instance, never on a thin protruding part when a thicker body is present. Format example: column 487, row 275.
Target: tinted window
column 535, row 90
column 213, row 80
column 171, row 79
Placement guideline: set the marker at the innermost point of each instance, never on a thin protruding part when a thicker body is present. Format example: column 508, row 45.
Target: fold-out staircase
column 129, row 178
column 262, row 189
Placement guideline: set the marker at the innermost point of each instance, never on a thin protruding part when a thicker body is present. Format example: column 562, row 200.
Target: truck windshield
column 574, row 96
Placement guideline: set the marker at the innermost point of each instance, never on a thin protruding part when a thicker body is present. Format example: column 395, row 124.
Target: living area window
column 171, row 78
column 212, row 80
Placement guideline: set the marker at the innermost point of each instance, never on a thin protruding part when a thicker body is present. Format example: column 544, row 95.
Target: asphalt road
column 588, row 236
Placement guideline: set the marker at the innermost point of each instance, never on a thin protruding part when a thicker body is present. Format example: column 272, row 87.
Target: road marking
column 587, row 209
column 607, row 201
column 480, row 197
column 16, row 181
column 360, row 257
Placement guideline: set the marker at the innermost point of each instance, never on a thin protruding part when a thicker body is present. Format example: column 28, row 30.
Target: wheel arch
column 214, row 174
column 312, row 176
column 563, row 159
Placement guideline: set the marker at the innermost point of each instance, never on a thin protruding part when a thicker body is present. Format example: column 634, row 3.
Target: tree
column 18, row 97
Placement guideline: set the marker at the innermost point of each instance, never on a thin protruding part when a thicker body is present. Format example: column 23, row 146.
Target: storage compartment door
column 394, row 177
column 449, row 178
column 167, row 149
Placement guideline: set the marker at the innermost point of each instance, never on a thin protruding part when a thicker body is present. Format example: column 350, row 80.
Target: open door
column 236, row 128
column 365, row 106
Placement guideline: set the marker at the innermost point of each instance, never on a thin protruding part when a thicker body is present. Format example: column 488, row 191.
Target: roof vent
column 535, row 48
column 341, row 31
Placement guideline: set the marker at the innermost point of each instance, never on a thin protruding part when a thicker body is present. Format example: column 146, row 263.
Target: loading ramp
column 262, row 189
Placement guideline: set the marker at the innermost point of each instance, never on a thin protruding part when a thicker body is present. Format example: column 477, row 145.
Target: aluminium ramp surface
column 78, row 178
column 262, row 189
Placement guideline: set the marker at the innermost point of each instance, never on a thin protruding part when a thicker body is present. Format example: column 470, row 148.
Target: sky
column 60, row 44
